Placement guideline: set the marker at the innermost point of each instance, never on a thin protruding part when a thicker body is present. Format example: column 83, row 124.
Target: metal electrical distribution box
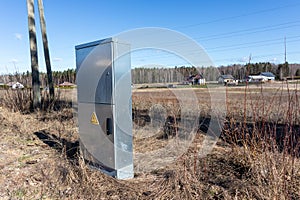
column 104, row 105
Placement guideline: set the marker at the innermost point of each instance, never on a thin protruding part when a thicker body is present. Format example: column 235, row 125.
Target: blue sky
column 228, row 30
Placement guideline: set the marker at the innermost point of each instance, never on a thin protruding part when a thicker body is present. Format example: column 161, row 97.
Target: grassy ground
column 39, row 152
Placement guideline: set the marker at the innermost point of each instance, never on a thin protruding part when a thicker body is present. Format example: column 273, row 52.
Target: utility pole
column 284, row 49
column 34, row 55
column 285, row 60
column 46, row 48
column 249, row 61
column 250, row 57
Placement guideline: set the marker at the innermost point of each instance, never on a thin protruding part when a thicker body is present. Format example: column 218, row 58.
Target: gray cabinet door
column 94, row 73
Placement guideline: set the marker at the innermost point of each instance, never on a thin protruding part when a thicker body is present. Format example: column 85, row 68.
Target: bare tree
column 46, row 48
column 34, row 55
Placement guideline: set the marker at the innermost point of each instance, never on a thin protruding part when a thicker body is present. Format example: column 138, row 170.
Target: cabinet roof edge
column 98, row 42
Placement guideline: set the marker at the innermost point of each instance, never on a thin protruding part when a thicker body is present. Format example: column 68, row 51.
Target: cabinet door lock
column 109, row 126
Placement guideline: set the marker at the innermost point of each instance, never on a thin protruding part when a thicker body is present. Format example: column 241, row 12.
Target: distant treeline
column 167, row 75
column 180, row 74
column 25, row 77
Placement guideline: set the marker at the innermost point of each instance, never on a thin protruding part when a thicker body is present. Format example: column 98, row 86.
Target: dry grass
column 39, row 151
column 21, row 100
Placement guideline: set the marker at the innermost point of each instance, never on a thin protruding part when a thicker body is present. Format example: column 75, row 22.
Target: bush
column 20, row 100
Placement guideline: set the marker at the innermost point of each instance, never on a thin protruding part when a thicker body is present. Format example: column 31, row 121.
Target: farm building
column 227, row 79
column 262, row 77
column 15, row 85
column 197, row 79
column 269, row 76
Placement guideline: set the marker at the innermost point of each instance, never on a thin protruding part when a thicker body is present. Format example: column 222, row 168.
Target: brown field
column 256, row 158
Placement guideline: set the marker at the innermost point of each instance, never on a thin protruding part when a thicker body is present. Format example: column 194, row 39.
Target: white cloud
column 57, row 59
column 18, row 36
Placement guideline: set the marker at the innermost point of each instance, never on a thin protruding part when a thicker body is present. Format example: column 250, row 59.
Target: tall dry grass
column 264, row 133
column 257, row 158
column 20, row 100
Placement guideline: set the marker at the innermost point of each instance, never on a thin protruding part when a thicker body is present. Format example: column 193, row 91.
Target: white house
column 227, row 80
column 262, row 77
column 268, row 76
column 197, row 79
column 17, row 85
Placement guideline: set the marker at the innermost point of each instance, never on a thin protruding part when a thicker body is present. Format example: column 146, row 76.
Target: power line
column 255, row 57
column 231, row 34
column 232, row 47
column 238, row 16
column 247, row 31
column 253, row 30
column 251, row 43
column 244, row 47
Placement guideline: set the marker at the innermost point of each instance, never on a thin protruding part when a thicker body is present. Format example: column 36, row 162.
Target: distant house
column 227, row 80
column 268, row 76
column 197, row 79
column 255, row 78
column 262, row 77
column 15, row 85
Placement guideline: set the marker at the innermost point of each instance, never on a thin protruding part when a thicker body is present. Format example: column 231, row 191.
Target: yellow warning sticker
column 94, row 119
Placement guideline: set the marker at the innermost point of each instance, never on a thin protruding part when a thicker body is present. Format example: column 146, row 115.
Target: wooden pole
column 46, row 48
column 34, row 56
